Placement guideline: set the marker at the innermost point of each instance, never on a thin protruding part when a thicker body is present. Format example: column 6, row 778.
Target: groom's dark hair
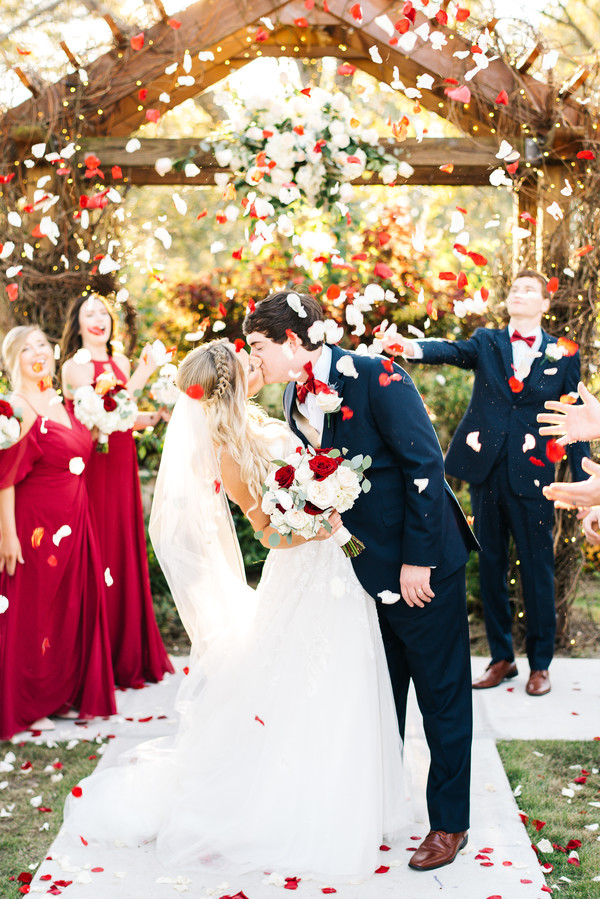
column 274, row 317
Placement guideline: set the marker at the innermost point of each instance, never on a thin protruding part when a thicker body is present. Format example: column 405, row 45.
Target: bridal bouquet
column 10, row 425
column 164, row 391
column 307, row 486
column 106, row 406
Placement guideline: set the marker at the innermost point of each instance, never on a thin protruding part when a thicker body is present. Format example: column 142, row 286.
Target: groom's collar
column 322, row 366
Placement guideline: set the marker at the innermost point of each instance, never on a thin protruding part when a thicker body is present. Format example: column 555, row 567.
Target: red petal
column 555, row 453
column 537, row 462
column 346, row 413
column 512, row 167
column 502, row 98
column 552, row 285
column 382, row 869
column 515, row 385
column 382, row 270
column 356, row 12
column 569, row 346
column 585, row 154
column 477, row 258
column 301, row 22
column 261, row 35
column 447, row 276
column 462, row 14
column 137, row 41
column 583, row 250
column 77, row 792
column 461, row 280
column 12, row 291
column 346, row 69
column 196, row 391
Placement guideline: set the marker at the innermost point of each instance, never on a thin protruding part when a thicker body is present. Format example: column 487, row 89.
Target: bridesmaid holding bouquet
column 113, row 484
column 54, row 648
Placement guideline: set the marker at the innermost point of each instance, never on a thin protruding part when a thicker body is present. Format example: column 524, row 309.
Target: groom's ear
column 295, row 342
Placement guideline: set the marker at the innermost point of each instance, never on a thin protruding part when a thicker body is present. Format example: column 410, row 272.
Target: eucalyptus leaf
column 259, row 534
column 334, row 453
column 274, row 540
column 366, row 485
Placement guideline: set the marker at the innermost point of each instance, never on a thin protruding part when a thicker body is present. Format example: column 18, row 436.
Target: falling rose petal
column 45, row 645
column 528, row 443
column 293, row 301
column 195, row 391
column 76, row 465
column 356, row 12
column 346, row 69
column 382, row 270
column 3, row 604
column 13, row 291
column 569, row 347
column 36, row 537
column 421, row 484
column 77, row 792
column 260, row 721
column 502, row 98
column 585, row 154
column 554, row 452
column 461, row 94
column 64, row 531
column 515, row 385
column 537, row 462
column 582, row 251
column 472, row 440
column 137, row 41
column 388, row 598
column 328, row 890
column 108, row 577
column 52, row 561
column 552, row 285
column 382, row 869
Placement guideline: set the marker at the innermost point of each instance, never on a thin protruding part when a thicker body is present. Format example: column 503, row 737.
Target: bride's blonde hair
column 234, row 421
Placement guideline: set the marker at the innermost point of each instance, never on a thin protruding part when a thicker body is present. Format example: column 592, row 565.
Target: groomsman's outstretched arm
column 461, row 353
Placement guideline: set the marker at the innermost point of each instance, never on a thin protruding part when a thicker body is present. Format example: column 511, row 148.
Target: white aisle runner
column 498, row 861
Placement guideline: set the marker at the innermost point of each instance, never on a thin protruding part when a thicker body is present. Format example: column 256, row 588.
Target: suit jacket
column 410, row 515
column 503, row 419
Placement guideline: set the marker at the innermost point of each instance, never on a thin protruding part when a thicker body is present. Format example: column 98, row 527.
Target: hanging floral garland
column 303, row 149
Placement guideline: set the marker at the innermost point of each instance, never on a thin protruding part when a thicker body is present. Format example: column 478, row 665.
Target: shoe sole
column 545, row 693
column 491, row 686
column 442, row 864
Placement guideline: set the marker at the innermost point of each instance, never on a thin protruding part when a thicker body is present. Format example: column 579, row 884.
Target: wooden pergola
column 544, row 124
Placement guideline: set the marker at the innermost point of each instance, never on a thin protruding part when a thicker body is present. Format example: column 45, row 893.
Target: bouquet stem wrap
column 350, row 545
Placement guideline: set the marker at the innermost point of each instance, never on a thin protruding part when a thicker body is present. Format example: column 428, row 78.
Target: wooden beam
column 24, row 79
column 570, row 86
column 161, row 10
column 117, row 34
column 70, row 56
column 526, row 62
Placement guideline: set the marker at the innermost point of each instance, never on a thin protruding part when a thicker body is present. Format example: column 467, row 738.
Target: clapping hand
column 578, row 494
column 572, row 423
column 591, row 523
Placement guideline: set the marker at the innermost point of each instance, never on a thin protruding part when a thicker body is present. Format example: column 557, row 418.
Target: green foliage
column 542, row 768
column 23, row 844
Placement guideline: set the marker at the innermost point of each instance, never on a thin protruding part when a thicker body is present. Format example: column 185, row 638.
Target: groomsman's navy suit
column 410, row 516
column 498, row 449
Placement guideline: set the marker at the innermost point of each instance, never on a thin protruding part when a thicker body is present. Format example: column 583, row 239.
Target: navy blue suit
column 497, row 448
column 410, row 516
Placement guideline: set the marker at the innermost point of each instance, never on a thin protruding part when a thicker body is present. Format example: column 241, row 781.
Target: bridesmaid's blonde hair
column 234, row 421
column 11, row 350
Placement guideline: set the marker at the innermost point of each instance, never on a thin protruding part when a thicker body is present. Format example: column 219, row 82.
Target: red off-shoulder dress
column 54, row 647
column 113, row 485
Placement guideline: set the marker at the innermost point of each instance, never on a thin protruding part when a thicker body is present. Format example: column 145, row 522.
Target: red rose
column 322, row 466
column 311, row 509
column 6, row 409
column 110, row 404
column 285, row 476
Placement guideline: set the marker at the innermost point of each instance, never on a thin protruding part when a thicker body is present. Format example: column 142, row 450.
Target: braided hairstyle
column 214, row 375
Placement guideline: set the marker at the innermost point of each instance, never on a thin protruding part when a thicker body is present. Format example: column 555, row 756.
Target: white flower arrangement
column 306, row 487
column 300, row 149
column 107, row 407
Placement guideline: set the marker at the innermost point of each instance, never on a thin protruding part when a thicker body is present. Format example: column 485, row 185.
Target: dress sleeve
column 17, row 461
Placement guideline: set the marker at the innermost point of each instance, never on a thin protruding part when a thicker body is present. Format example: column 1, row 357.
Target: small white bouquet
column 306, row 487
column 164, row 391
column 106, row 406
column 10, row 425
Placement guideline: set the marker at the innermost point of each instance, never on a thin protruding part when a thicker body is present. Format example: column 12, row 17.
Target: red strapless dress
column 113, row 486
column 54, row 648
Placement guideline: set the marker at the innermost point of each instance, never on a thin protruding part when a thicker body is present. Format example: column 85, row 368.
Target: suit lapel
column 335, row 380
column 506, row 352
column 289, row 398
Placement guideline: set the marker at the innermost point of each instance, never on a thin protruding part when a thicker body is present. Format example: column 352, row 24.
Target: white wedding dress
column 288, row 756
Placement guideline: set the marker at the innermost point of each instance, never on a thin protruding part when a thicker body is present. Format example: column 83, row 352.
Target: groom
column 416, row 537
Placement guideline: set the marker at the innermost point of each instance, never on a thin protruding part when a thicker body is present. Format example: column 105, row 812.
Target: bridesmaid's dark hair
column 71, row 341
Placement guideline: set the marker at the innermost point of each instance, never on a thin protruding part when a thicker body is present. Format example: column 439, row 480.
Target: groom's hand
column 414, row 585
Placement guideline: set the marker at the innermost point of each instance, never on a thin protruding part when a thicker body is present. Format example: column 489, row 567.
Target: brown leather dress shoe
column 438, row 849
column 494, row 674
column 538, row 683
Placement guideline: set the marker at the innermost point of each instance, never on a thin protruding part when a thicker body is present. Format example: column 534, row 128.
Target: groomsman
column 498, row 450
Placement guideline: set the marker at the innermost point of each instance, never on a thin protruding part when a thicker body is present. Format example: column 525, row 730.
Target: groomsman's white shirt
column 310, row 408
column 522, row 354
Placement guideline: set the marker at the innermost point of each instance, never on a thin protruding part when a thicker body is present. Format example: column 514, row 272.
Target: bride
column 287, row 757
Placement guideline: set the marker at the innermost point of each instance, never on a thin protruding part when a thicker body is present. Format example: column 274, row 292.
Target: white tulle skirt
column 288, row 756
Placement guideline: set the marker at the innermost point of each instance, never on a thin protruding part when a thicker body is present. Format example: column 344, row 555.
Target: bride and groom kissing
column 288, row 752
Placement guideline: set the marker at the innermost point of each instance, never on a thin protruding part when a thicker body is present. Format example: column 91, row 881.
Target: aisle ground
column 510, row 871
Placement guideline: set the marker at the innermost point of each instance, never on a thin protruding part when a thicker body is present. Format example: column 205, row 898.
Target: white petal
column 472, row 440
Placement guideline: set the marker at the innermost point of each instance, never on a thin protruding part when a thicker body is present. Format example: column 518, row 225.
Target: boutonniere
column 563, row 347
column 329, row 400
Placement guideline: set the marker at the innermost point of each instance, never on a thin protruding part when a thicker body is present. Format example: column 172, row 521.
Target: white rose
column 321, row 494
column 297, row 519
column 329, row 402
column 268, row 504
column 388, row 174
column 340, row 140
column 88, row 406
column 277, row 519
column 346, row 477
column 10, row 428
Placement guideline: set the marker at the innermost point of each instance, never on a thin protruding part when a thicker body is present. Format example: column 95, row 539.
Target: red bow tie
column 528, row 340
column 311, row 385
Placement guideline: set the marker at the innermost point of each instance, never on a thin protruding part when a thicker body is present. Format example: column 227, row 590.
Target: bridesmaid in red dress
column 113, row 485
column 54, row 648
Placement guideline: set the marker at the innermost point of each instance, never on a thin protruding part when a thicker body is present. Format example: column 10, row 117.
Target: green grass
column 26, row 835
column 543, row 768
